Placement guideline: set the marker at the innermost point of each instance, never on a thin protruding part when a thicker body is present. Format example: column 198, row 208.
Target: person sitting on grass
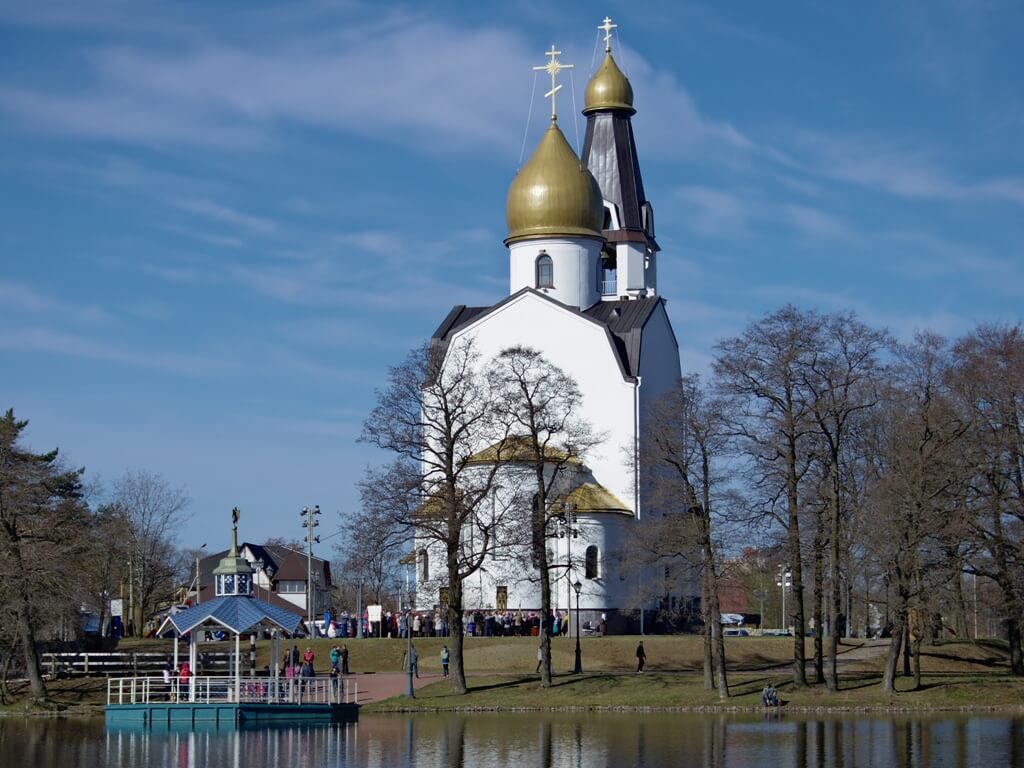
column 769, row 696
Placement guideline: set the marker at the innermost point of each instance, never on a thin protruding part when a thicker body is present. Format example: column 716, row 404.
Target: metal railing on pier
column 221, row 689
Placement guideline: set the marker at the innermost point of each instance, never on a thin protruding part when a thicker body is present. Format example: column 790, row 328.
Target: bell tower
column 628, row 261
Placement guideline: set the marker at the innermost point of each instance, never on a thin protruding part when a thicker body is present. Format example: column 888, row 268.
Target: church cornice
column 621, row 321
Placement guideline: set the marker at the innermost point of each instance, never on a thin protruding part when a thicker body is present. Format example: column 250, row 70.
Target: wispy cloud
column 816, row 224
column 226, row 215
column 40, row 339
column 902, row 171
column 673, row 124
column 713, row 212
column 23, row 298
column 234, row 94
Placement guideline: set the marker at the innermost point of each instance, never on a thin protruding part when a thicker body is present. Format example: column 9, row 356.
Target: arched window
column 591, row 562
column 424, row 566
column 545, row 271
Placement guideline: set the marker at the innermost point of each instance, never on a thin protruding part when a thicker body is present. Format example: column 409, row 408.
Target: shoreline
column 89, row 711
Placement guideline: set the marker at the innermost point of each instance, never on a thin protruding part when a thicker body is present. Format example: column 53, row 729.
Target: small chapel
column 583, row 291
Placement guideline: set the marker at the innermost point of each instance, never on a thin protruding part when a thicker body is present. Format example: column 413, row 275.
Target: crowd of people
column 474, row 623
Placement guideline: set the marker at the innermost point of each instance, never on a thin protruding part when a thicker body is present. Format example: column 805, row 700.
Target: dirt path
column 848, row 654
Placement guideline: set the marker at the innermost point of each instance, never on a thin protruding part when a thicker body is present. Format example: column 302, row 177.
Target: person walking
column 335, row 658
column 414, row 660
column 540, row 657
column 444, row 660
column 344, row 659
column 641, row 657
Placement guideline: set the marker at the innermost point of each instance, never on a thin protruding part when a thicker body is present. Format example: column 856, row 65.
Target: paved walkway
column 374, row 686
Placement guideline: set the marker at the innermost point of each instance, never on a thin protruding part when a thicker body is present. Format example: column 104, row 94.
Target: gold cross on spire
column 553, row 67
column 608, row 27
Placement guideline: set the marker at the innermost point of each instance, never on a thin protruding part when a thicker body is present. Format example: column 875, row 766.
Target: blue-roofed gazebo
column 237, row 611
column 234, row 609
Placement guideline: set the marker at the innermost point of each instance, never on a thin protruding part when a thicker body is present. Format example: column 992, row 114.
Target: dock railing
column 221, row 689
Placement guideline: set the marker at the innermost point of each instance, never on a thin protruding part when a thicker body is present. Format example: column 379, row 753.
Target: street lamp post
column 309, row 524
column 785, row 581
column 579, row 662
column 409, row 691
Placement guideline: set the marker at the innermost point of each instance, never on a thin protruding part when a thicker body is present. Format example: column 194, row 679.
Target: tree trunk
column 819, row 600
column 545, row 625
column 709, row 676
column 5, row 668
column 457, row 636
column 797, row 603
column 540, row 545
column 915, row 649
column 1013, row 636
column 892, row 658
column 906, row 648
column 721, row 675
column 835, row 597
column 26, row 632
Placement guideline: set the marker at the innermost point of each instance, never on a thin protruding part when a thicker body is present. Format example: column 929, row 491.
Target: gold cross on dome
column 608, row 27
column 553, row 67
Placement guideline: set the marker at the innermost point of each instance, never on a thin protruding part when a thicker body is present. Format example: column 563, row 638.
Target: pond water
column 534, row 739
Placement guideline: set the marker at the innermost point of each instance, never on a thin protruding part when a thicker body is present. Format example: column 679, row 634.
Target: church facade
column 583, row 291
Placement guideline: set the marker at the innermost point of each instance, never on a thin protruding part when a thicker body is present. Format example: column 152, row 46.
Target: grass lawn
column 501, row 674
column 686, row 692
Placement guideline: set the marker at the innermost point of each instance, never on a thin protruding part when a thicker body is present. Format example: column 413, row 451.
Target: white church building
column 583, row 291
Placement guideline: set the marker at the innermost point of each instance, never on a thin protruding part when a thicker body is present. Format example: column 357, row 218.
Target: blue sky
column 220, row 223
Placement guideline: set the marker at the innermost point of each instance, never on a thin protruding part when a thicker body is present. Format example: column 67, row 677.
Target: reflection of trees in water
column 453, row 743
column 555, row 740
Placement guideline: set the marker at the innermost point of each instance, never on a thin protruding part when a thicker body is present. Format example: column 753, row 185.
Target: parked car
column 737, row 633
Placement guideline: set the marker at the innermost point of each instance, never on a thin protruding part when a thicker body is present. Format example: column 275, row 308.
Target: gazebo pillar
column 238, row 666
column 192, row 659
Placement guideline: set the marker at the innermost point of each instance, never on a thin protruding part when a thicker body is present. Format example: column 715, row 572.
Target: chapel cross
column 553, row 67
column 608, row 27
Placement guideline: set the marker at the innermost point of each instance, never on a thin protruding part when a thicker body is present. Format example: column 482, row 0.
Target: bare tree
column 840, row 380
column 912, row 498
column 154, row 511
column 989, row 380
column 686, row 437
column 42, row 521
column 101, row 572
column 435, row 416
column 539, row 406
column 372, row 546
column 771, row 421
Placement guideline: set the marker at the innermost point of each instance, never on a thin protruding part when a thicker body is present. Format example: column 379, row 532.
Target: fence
column 119, row 663
column 221, row 689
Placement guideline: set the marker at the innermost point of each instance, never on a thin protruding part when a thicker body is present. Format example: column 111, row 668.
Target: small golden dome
column 554, row 194
column 609, row 89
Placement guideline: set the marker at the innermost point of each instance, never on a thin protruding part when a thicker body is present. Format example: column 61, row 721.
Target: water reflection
column 549, row 740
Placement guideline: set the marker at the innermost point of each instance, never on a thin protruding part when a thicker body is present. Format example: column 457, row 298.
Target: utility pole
column 198, row 585
column 309, row 523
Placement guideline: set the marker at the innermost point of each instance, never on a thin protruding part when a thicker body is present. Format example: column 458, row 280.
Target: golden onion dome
column 609, row 89
column 554, row 194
